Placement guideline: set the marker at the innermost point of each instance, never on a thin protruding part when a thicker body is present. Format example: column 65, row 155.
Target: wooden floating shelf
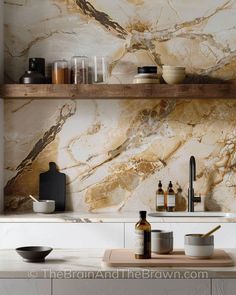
column 119, row 91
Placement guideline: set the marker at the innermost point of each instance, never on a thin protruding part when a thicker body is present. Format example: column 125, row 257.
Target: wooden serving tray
column 125, row 258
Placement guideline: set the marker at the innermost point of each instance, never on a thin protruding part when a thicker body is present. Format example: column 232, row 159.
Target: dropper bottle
column 160, row 198
column 170, row 198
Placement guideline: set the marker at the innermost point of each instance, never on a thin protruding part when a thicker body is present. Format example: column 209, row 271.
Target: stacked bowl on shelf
column 149, row 75
column 173, row 74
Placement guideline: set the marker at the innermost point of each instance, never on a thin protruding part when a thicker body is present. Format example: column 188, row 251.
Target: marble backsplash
column 114, row 152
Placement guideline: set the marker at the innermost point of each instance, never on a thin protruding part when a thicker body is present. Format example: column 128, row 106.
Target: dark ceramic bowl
column 33, row 253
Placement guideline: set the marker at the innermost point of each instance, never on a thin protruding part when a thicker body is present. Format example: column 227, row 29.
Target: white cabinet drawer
column 25, row 287
column 224, row 287
column 131, row 287
column 62, row 235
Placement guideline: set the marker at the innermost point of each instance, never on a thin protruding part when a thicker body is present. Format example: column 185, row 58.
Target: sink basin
column 193, row 214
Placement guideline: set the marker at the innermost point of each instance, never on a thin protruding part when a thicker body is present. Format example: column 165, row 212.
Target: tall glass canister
column 60, row 72
column 99, row 69
column 79, row 70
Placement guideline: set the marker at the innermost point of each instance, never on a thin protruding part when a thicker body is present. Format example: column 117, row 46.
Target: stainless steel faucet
column 192, row 177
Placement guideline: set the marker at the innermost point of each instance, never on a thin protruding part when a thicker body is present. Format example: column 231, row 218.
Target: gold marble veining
column 115, row 151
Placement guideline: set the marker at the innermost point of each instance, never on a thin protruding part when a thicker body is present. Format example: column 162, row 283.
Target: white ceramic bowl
column 177, row 72
column 44, row 206
column 197, row 247
column 199, row 252
column 173, row 68
column 173, row 78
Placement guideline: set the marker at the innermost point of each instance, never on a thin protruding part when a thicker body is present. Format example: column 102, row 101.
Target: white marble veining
column 115, row 151
column 200, row 36
column 85, row 264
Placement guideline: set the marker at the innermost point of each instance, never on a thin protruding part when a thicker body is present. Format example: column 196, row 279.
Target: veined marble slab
column 87, row 264
column 84, row 217
column 115, row 151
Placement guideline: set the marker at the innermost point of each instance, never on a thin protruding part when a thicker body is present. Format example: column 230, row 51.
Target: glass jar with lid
column 79, row 70
column 60, row 72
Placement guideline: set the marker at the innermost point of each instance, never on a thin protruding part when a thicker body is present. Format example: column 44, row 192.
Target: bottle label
column 160, row 200
column 139, row 242
column 142, row 242
column 170, row 200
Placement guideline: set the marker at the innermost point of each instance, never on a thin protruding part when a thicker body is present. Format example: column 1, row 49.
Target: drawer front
column 25, row 287
column 223, row 287
column 131, row 287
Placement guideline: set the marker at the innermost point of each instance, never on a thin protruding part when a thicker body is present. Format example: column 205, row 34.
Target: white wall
column 62, row 235
column 1, row 106
column 102, row 235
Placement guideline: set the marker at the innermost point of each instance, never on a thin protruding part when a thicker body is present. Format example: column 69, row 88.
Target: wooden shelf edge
column 119, row 91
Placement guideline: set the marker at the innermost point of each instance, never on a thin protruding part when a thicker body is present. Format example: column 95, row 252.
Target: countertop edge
column 82, row 217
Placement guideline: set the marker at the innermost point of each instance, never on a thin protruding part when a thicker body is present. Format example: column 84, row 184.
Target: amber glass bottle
column 142, row 237
column 160, row 198
column 170, row 199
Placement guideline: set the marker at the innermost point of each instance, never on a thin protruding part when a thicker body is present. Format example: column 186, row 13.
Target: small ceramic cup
column 173, row 74
column 44, row 206
column 197, row 247
column 173, row 68
column 162, row 241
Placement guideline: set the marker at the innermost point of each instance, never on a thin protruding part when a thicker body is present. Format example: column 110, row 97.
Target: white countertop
column 85, row 217
column 81, row 264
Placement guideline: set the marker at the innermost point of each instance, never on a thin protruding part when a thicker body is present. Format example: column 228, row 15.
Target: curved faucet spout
column 192, row 177
column 192, row 171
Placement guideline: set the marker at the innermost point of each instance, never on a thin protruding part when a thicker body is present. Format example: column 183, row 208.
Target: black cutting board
column 52, row 186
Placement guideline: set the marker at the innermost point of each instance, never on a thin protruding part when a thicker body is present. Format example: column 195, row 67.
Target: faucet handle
column 197, row 199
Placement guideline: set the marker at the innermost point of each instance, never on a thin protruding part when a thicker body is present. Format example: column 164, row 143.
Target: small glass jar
column 99, row 69
column 60, row 72
column 79, row 70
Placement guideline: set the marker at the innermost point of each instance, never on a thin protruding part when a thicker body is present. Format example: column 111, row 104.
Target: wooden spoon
column 211, row 231
column 33, row 198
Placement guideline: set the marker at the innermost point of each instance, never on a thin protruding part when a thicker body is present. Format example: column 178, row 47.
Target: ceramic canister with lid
column 162, row 241
column 146, row 75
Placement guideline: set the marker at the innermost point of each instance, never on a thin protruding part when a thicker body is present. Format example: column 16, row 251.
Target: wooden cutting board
column 125, row 257
column 52, row 186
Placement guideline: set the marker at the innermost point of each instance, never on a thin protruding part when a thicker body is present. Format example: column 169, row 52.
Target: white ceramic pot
column 173, row 78
column 173, row 68
column 45, row 206
column 174, row 72
column 162, row 241
column 197, row 247
column 194, row 251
